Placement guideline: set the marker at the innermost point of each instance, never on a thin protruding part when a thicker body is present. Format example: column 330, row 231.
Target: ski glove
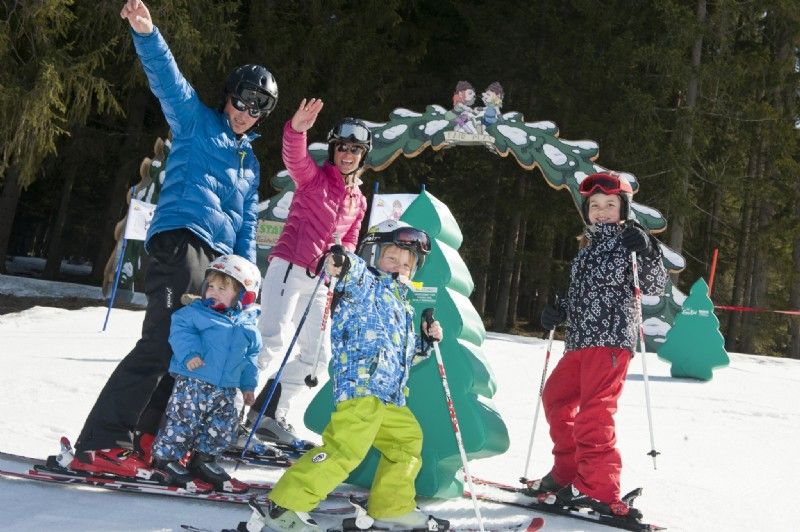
column 427, row 320
column 552, row 317
column 636, row 239
column 340, row 258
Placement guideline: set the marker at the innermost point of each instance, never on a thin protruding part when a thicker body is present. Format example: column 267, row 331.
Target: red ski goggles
column 605, row 184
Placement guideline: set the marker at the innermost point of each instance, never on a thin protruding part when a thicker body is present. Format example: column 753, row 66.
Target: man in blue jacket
column 207, row 208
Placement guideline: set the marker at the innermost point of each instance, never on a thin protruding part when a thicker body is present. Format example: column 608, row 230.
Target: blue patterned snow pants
column 200, row 416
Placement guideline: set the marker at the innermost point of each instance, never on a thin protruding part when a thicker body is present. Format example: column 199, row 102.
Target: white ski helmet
column 241, row 269
column 399, row 234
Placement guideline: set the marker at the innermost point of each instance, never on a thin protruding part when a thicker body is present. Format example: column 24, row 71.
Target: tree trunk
column 678, row 221
column 8, row 208
column 130, row 156
column 515, row 282
column 507, row 266
column 794, row 293
column 739, row 279
column 52, row 267
column 485, row 243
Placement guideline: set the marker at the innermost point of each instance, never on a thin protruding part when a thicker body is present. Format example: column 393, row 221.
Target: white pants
column 285, row 294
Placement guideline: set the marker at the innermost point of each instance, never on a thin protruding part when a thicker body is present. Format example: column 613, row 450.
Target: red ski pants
column 580, row 399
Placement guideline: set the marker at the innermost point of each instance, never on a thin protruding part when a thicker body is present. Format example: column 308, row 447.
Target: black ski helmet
column 609, row 183
column 255, row 86
column 350, row 130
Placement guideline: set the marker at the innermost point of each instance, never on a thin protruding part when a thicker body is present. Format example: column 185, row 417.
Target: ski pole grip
column 427, row 315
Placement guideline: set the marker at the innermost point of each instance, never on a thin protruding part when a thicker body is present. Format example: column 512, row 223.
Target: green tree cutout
column 694, row 344
column 468, row 374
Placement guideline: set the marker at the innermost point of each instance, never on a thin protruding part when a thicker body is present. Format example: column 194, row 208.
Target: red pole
column 713, row 271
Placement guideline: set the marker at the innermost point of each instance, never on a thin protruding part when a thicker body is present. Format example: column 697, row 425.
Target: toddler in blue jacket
column 215, row 342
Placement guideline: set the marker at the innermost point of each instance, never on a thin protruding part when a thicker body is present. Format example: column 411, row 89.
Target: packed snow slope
column 728, row 447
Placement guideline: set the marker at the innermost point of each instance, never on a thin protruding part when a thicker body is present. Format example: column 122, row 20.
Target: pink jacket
column 322, row 206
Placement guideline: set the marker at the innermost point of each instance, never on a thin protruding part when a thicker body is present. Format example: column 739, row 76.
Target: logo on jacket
column 319, row 457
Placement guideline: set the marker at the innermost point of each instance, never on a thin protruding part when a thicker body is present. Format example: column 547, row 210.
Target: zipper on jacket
column 613, row 360
column 242, row 154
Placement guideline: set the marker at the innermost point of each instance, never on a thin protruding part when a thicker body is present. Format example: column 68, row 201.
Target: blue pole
column 277, row 378
column 116, row 281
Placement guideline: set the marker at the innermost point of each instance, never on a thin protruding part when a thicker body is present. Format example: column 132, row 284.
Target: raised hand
column 306, row 114
column 138, row 16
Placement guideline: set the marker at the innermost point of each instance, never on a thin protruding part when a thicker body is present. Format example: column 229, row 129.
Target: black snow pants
column 135, row 396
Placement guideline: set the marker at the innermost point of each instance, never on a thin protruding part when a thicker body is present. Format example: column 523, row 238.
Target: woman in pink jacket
column 327, row 203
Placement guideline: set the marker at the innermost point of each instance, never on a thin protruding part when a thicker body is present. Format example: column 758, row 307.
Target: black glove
column 427, row 320
column 634, row 238
column 552, row 317
column 340, row 258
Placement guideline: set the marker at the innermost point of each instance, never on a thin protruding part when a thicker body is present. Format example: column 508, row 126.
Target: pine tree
column 694, row 344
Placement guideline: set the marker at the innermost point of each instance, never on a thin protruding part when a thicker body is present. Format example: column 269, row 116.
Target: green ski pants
column 355, row 426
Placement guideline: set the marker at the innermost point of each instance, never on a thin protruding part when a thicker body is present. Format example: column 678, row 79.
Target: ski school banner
column 140, row 214
column 389, row 207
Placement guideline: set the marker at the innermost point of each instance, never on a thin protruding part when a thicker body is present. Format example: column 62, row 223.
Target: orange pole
column 713, row 271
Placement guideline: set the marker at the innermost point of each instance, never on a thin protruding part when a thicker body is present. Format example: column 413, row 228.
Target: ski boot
column 540, row 486
column 176, row 474
column 205, row 467
column 143, row 443
column 414, row 521
column 279, row 519
column 571, row 497
column 115, row 462
column 257, row 446
column 276, row 430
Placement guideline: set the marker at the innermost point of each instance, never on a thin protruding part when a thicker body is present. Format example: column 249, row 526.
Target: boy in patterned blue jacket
column 215, row 342
column 374, row 345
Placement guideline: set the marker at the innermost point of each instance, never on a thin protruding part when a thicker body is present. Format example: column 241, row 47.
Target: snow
column 583, row 144
column 556, row 156
column 728, row 446
column 433, row 126
column 514, row 134
column 394, row 132
column 405, row 113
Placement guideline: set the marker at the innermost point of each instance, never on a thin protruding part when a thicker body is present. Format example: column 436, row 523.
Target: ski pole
column 638, row 295
column 427, row 315
column 277, row 377
column 524, row 479
column 311, row 379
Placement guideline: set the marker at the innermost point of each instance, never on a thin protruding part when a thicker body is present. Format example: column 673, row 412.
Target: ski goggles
column 355, row 149
column 239, row 105
column 410, row 238
column 351, row 131
column 605, row 184
column 255, row 101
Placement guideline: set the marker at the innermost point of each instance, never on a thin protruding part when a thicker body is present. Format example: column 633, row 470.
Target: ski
column 583, row 515
column 258, row 460
column 534, row 525
column 256, row 455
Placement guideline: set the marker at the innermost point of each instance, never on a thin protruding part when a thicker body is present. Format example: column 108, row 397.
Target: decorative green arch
column 563, row 163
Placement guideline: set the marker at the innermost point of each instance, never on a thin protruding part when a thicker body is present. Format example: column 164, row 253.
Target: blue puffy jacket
column 372, row 336
column 228, row 342
column 211, row 183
